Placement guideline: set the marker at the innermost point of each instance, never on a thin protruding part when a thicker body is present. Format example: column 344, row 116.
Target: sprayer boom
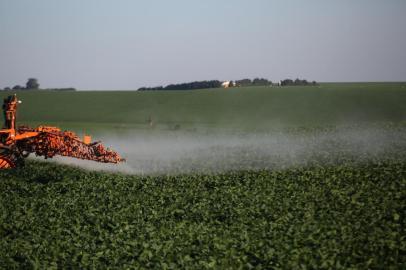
column 16, row 143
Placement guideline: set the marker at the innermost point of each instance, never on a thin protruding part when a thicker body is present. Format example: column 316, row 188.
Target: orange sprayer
column 16, row 143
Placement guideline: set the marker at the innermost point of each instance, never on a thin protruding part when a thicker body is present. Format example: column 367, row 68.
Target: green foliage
column 185, row 86
column 254, row 82
column 32, row 83
column 297, row 82
column 18, row 87
column 327, row 217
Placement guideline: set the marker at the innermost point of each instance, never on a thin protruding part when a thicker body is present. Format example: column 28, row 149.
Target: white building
column 227, row 84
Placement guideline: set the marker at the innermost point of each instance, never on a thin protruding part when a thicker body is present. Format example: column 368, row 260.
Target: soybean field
column 239, row 178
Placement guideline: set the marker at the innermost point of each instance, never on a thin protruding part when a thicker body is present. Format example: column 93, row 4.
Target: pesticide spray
column 185, row 152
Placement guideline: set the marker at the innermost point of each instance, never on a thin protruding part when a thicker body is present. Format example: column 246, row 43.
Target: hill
column 245, row 108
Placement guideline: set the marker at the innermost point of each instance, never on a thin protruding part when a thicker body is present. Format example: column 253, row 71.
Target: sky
column 127, row 44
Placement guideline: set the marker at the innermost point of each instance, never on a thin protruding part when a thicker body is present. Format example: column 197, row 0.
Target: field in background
column 247, row 109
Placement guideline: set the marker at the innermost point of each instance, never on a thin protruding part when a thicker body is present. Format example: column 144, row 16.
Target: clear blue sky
column 126, row 44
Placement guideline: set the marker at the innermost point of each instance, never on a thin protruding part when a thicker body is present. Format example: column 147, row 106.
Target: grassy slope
column 333, row 217
column 255, row 107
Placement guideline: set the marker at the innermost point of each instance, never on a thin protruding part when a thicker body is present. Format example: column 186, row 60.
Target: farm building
column 227, row 84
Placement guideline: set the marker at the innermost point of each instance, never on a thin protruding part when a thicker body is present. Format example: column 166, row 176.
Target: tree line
column 208, row 84
column 249, row 82
column 217, row 84
column 33, row 84
column 185, row 86
column 289, row 82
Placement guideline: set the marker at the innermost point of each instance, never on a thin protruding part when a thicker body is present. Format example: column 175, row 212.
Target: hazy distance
column 101, row 44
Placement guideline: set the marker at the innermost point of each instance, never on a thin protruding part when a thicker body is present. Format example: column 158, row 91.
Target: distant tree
column 286, row 82
column 7, row 88
column 261, row 82
column 194, row 85
column 301, row 82
column 32, row 83
column 243, row 82
column 18, row 87
column 297, row 82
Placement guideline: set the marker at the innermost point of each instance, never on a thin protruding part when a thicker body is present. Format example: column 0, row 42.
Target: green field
column 251, row 108
column 329, row 217
column 261, row 177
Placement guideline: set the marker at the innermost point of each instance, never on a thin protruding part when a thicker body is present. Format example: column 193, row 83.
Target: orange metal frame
column 16, row 143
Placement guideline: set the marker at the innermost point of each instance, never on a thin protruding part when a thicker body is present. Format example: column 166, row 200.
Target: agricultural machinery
column 16, row 143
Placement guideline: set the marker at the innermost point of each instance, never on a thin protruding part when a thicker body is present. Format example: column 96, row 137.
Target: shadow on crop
column 42, row 172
